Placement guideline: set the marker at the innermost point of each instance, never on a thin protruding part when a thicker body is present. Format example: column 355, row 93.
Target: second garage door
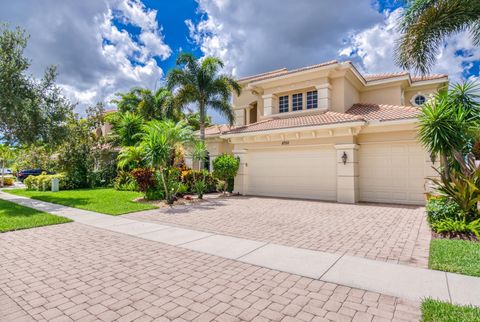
column 392, row 172
column 308, row 173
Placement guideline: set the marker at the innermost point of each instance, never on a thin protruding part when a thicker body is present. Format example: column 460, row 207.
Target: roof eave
column 296, row 129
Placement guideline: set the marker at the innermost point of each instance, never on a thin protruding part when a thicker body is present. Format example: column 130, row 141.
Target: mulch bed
column 459, row 236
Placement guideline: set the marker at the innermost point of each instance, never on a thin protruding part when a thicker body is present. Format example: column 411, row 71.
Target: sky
column 102, row 47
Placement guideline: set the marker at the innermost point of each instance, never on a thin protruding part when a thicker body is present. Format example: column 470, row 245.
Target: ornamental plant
column 225, row 167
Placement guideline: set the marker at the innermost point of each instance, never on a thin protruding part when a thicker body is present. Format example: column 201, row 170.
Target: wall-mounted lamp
column 344, row 157
column 433, row 157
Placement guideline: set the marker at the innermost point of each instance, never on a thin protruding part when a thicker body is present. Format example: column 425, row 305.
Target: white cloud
column 95, row 58
column 254, row 36
column 373, row 49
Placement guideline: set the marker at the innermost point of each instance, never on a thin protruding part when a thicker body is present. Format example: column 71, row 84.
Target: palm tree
column 200, row 82
column 426, row 24
column 198, row 153
column 151, row 105
column 131, row 157
column 449, row 122
column 127, row 127
column 6, row 155
column 159, row 141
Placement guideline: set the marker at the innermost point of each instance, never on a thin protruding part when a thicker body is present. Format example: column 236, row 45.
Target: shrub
column 441, row 208
column 8, row 180
column 455, row 226
column 225, row 167
column 125, row 182
column 43, row 181
column 145, row 179
column 190, row 177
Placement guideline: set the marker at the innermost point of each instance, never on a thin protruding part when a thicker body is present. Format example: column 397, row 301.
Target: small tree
column 199, row 153
column 6, row 156
column 225, row 167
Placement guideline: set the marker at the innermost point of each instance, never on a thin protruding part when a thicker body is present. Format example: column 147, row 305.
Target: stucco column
column 324, row 92
column 242, row 174
column 430, row 173
column 347, row 173
column 239, row 116
column 212, row 157
column 268, row 104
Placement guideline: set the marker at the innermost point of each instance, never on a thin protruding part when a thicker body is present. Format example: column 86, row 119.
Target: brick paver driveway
column 391, row 233
column 76, row 272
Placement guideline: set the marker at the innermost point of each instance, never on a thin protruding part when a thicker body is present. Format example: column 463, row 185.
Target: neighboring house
column 327, row 132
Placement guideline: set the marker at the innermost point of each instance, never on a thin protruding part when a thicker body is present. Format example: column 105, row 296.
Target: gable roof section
column 414, row 79
column 357, row 113
column 217, row 129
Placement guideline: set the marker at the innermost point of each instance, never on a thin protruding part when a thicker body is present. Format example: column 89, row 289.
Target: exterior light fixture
column 433, row 157
column 344, row 157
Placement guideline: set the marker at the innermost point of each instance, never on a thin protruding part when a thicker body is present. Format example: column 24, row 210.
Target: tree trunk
column 2, row 181
column 446, row 168
column 167, row 197
column 202, row 112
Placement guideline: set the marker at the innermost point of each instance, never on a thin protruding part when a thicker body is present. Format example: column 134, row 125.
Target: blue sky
column 102, row 47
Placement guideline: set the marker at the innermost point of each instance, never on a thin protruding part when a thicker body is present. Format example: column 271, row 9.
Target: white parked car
column 6, row 171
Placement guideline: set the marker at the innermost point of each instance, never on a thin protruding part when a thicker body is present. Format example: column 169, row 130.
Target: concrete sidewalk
column 387, row 278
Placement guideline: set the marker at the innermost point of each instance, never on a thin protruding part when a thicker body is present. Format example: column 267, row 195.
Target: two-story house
column 327, row 132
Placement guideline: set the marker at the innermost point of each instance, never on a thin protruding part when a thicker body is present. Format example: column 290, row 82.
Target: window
column 297, row 102
column 312, row 100
column 283, row 104
column 419, row 100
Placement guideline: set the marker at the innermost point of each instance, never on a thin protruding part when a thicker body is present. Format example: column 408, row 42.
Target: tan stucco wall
column 427, row 92
column 391, row 95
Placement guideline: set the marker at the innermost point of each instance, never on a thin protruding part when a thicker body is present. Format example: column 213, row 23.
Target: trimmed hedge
column 43, row 182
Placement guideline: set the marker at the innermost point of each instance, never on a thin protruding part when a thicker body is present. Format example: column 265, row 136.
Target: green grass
column 436, row 311
column 458, row 256
column 15, row 217
column 106, row 201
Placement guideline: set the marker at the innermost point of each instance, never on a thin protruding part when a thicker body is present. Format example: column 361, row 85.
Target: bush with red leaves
column 144, row 178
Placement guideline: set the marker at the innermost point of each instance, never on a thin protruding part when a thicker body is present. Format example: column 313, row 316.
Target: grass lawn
column 458, row 256
column 15, row 217
column 106, row 201
column 437, row 311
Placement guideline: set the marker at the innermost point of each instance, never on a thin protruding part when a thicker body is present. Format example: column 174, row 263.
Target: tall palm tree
column 426, row 24
column 151, row 105
column 199, row 81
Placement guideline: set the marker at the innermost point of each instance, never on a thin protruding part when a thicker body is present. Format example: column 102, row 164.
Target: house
column 327, row 132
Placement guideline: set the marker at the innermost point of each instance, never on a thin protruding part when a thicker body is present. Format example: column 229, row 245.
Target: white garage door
column 392, row 173
column 308, row 173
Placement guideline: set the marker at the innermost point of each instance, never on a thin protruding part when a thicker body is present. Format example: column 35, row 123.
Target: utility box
column 55, row 185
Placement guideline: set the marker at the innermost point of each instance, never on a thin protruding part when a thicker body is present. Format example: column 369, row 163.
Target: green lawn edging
column 16, row 217
column 438, row 311
column 103, row 200
column 457, row 256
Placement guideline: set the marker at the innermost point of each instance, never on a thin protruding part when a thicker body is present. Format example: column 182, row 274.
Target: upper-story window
column 419, row 100
column 312, row 100
column 283, row 104
column 297, row 101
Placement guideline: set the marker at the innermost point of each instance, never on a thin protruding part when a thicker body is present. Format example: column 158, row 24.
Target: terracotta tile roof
column 277, row 71
column 374, row 77
column 382, row 112
column 328, row 117
column 287, row 72
column 358, row 112
column 217, row 129
column 427, row 77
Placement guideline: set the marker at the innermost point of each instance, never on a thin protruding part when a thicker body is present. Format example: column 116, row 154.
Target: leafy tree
column 150, row 105
column 193, row 120
column 130, row 157
column 31, row 111
column 426, row 24
column 199, row 81
column 449, row 122
column 225, row 167
column 6, row 156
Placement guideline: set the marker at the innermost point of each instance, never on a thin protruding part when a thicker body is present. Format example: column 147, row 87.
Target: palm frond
column 224, row 108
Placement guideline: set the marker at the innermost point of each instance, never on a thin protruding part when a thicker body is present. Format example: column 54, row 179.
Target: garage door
column 308, row 173
column 392, row 173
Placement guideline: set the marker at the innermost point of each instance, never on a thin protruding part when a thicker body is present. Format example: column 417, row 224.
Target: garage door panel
column 297, row 173
column 392, row 172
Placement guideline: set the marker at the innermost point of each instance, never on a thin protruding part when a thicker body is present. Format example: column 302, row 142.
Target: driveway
column 73, row 272
column 392, row 233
